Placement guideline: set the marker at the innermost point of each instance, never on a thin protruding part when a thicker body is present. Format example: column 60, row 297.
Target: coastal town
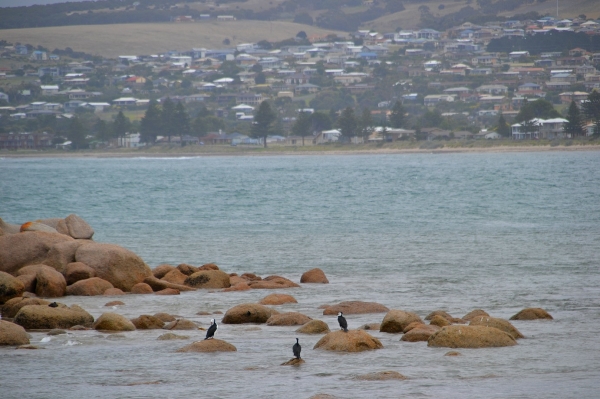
column 469, row 82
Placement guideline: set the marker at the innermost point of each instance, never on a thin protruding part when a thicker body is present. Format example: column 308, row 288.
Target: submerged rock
column 247, row 313
column 272, row 283
column 113, row 322
column 355, row 307
column 532, row 314
column 420, row 333
column 314, row 327
column 181, row 324
column 171, row 336
column 159, row 285
column 500, row 324
column 293, row 362
column 288, row 319
column 351, row 341
column 147, row 322
column 315, row 275
column 208, row 345
column 381, row 376
column 277, row 299
column 459, row 336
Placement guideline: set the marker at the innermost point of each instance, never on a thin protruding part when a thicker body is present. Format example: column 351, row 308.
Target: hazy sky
column 18, row 3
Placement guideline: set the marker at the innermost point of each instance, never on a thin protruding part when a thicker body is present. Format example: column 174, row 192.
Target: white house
column 539, row 129
column 327, row 136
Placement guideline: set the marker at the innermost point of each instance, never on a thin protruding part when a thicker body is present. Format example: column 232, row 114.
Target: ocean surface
column 417, row 232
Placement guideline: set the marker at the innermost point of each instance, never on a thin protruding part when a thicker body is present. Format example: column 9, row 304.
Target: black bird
column 343, row 322
column 211, row 330
column 297, row 348
column 53, row 305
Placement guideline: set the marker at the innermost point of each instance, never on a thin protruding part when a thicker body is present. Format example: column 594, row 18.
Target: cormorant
column 297, row 348
column 211, row 330
column 53, row 305
column 343, row 322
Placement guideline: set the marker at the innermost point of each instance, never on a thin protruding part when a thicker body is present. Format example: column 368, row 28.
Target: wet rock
column 438, row 313
column 29, row 295
column 10, row 287
column 233, row 280
column 370, row 326
column 381, row 376
column 186, row 269
column 208, row 279
column 76, row 271
column 78, row 228
column 500, row 324
column 141, row 288
column 181, row 324
column 90, row 287
column 314, row 327
column 412, row 325
column 115, row 264
column 12, row 334
column 8, row 228
column 56, row 331
column 420, row 333
column 315, row 275
column 474, row 313
column 79, row 328
column 243, row 286
column 36, row 226
column 532, row 314
column 44, row 317
column 161, row 270
column 29, row 281
column 251, row 277
column 62, row 254
column 159, row 285
column 114, row 303
column 457, row 336
column 27, row 248
column 453, row 353
column 439, row 321
column 355, row 307
column 208, row 345
column 288, row 319
column 28, row 347
column 277, row 299
column 50, row 283
column 396, row 321
column 209, row 266
column 247, row 313
column 147, row 322
column 165, row 317
column 113, row 292
column 171, row 336
column 175, row 276
column 12, row 306
column 168, row 291
column 351, row 341
column 272, row 283
column 113, row 322
column 56, row 223
column 293, row 362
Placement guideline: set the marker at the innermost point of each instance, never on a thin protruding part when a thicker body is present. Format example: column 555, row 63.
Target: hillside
column 114, row 40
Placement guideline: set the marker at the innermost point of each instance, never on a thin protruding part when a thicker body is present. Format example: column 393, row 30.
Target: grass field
column 134, row 39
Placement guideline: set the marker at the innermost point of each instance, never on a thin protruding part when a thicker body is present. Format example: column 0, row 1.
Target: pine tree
column 264, row 119
column 366, row 124
column 151, row 123
column 503, row 127
column 167, row 117
column 574, row 126
column 182, row 120
column 302, row 126
column 398, row 115
column 76, row 133
column 102, row 131
column 120, row 125
column 591, row 110
column 347, row 123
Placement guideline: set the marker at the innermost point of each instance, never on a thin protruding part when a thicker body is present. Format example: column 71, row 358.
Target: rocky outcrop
column 474, row 313
column 351, row 341
column 314, row 327
column 44, row 317
column 90, row 287
column 171, row 336
column 355, row 307
column 141, row 288
column 208, row 345
column 381, row 376
column 272, row 283
column 500, row 324
column 315, row 275
column 396, row 321
column 62, row 254
column 458, row 336
column 208, row 279
column 12, row 334
column 50, row 283
column 247, row 313
column 181, row 324
column 161, row 270
column 532, row 314
column 288, row 319
column 12, row 306
column 76, row 271
column 115, row 264
column 27, row 248
column 78, row 228
column 277, row 299
column 10, row 287
column 420, row 333
column 113, row 322
column 147, row 322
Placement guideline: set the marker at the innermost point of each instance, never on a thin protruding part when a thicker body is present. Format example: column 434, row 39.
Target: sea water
column 417, row 232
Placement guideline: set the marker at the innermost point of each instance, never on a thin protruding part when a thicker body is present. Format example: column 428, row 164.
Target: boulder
column 315, row 275
column 113, row 322
column 288, row 319
column 381, row 376
column 351, row 341
column 62, row 254
column 441, row 313
column 50, row 283
column 175, row 276
column 250, row 277
column 113, row 291
column 314, row 327
column 186, row 269
column 396, row 321
column 208, row 279
column 370, row 326
column 420, row 333
column 76, row 271
column 439, row 321
column 355, row 307
column 233, row 280
column 272, row 283
column 28, row 281
column 247, row 313
column 90, row 287
column 158, row 285
column 238, row 287
column 168, row 291
column 141, row 288
column 78, row 228
column 56, row 331
column 277, row 299
column 165, row 317
column 44, row 317
column 115, row 264
column 147, row 322
column 474, row 313
column 171, row 336
column 209, row 266
column 208, row 345
column 181, row 324
column 532, row 314
column 161, row 270
column 412, row 325
column 10, row 287
column 56, row 223
column 114, row 303
column 12, row 334
column 293, row 362
column 457, row 336
column 12, row 306
column 36, row 226
column 452, row 353
column 500, row 324
column 27, row 248
column 8, row 228
column 32, row 269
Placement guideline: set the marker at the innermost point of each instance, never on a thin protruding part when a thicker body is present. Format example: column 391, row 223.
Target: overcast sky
column 18, row 3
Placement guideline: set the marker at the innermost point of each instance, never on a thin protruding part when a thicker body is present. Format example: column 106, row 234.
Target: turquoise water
column 419, row 232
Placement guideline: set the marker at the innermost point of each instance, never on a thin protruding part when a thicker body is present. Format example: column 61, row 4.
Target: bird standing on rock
column 343, row 322
column 211, row 330
column 297, row 348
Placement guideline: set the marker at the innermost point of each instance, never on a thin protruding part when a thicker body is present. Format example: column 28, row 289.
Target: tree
column 102, row 130
column 203, row 125
column 182, row 120
column 347, row 123
column 302, row 126
column 120, row 125
column 503, row 128
column 537, row 109
column 264, row 119
column 260, row 78
column 591, row 110
column 76, row 133
column 574, row 126
column 301, row 35
column 320, row 121
column 398, row 115
column 167, row 117
column 366, row 123
column 151, row 123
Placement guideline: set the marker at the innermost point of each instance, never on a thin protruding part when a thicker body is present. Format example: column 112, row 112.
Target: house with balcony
column 539, row 129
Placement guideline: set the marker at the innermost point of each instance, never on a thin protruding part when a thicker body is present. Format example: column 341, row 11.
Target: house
column 130, row 141
column 49, row 90
column 428, row 34
column 432, row 99
column 50, row 71
column 539, row 128
column 577, row 96
column 492, row 89
column 125, row 101
column 515, row 55
column 327, row 136
column 38, row 56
